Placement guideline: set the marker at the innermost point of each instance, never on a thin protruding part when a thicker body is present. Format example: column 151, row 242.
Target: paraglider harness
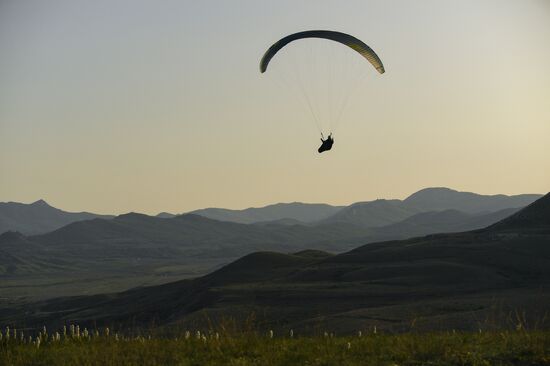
column 327, row 144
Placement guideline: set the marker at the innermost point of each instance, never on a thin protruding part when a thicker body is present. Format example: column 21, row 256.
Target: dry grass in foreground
column 75, row 347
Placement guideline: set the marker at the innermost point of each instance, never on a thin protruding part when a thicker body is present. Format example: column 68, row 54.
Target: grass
column 252, row 348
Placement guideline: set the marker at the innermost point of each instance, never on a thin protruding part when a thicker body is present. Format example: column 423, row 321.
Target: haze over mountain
column 375, row 213
column 134, row 249
column 303, row 212
column 38, row 217
column 431, row 222
column 165, row 215
column 437, row 199
column 470, row 280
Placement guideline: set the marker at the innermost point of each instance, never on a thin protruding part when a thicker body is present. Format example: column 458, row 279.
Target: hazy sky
column 116, row 106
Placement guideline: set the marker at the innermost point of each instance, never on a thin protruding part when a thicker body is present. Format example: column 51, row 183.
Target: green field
column 252, row 348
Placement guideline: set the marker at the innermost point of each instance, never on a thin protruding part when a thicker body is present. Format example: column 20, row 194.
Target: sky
column 148, row 106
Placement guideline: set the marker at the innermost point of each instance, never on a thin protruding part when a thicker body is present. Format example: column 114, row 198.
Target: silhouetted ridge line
column 534, row 216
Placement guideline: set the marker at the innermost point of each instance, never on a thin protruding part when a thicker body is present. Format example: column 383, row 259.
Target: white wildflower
column 38, row 342
column 271, row 333
column 217, row 336
column 203, row 338
column 291, row 333
column 359, row 334
column 107, row 331
column 374, row 330
column 349, row 345
column 326, row 334
column 198, row 334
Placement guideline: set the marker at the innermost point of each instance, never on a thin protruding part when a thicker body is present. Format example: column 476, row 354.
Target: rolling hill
column 134, row 249
column 94, row 256
column 469, row 280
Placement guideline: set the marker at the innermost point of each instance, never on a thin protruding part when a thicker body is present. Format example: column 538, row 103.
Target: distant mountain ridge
column 437, row 282
column 38, row 217
column 303, row 212
column 432, row 222
column 440, row 198
column 134, row 248
column 102, row 253
column 375, row 213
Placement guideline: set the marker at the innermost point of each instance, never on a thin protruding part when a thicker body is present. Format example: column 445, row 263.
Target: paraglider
column 335, row 110
column 326, row 144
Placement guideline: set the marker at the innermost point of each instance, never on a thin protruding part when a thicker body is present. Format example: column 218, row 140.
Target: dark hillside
column 448, row 280
column 536, row 216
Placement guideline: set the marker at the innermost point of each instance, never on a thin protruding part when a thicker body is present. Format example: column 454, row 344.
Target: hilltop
column 38, row 217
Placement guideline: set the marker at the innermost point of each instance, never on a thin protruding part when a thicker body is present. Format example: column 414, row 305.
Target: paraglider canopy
column 339, row 37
